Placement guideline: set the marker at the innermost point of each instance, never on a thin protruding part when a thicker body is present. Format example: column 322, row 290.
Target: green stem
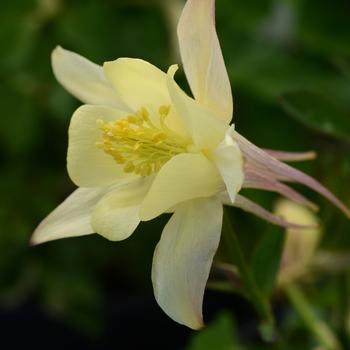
column 317, row 327
column 260, row 303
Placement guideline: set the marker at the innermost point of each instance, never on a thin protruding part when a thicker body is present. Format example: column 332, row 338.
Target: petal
column 83, row 79
column 141, row 84
column 206, row 130
column 183, row 258
column 116, row 215
column 229, row 160
column 138, row 82
column 71, row 218
column 88, row 165
column 202, row 58
column 182, row 178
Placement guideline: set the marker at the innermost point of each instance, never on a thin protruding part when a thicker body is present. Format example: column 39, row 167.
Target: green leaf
column 266, row 258
column 219, row 335
column 318, row 112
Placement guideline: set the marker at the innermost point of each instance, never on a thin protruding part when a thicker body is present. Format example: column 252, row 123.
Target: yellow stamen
column 136, row 142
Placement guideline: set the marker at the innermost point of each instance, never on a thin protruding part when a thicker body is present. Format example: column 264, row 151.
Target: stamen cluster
column 138, row 143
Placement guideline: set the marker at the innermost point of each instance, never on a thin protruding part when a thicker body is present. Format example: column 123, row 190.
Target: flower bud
column 300, row 244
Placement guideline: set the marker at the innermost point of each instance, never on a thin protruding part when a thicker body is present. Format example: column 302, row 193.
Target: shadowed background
column 289, row 64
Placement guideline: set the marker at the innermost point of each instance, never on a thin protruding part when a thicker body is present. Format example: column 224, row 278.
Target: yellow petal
column 229, row 160
column 202, row 58
column 71, row 218
column 88, row 165
column 182, row 178
column 206, row 130
column 84, row 79
column 116, row 216
column 183, row 258
column 140, row 84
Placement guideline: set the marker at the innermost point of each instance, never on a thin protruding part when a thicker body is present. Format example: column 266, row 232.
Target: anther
column 129, row 167
column 133, row 119
column 144, row 113
column 164, row 110
column 142, row 146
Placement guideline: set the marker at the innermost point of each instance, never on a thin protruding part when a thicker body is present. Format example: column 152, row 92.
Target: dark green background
column 289, row 64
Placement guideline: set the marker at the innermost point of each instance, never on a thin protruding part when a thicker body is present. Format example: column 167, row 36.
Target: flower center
column 140, row 145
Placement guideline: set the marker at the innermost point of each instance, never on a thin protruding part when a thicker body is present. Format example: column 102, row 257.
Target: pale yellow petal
column 183, row 258
column 182, row 178
column 206, row 130
column 138, row 82
column 202, row 58
column 71, row 218
column 116, row 215
column 88, row 165
column 229, row 160
column 141, row 84
column 84, row 79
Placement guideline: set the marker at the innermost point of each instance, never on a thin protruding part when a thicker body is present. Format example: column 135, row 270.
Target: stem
column 260, row 303
column 317, row 327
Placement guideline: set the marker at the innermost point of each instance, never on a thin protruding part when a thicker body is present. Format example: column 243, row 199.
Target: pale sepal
column 71, row 218
column 83, row 79
column 201, row 124
column 183, row 258
column 202, row 58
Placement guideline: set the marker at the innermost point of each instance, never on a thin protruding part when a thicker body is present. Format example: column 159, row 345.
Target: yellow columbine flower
column 140, row 147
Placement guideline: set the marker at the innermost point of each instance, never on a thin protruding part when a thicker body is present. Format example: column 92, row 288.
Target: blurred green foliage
column 266, row 258
column 289, row 63
column 219, row 335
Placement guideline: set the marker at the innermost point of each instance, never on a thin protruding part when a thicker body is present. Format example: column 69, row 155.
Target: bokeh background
column 289, row 64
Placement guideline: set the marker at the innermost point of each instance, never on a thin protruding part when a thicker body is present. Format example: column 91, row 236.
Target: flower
column 141, row 147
